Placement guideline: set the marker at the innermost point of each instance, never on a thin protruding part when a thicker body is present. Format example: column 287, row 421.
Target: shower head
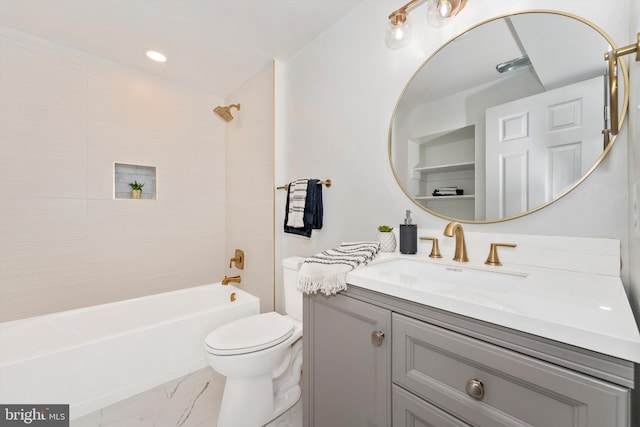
column 225, row 112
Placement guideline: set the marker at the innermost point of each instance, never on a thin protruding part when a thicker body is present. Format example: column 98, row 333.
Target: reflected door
column 537, row 147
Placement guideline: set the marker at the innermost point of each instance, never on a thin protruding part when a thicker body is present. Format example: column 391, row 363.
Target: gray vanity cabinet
column 434, row 368
column 347, row 359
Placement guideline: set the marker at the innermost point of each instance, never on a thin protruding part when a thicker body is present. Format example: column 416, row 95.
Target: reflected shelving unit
column 454, row 151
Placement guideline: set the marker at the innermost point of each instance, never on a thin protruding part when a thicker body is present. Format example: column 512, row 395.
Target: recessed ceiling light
column 156, row 56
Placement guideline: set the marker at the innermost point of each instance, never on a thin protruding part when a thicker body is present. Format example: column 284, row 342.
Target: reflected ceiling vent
column 513, row 64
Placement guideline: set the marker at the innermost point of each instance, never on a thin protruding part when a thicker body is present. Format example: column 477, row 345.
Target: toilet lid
column 250, row 334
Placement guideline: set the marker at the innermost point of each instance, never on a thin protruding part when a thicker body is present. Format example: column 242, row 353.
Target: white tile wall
column 250, row 185
column 65, row 242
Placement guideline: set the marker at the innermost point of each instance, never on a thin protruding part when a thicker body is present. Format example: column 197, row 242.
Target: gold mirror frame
column 612, row 59
column 608, row 140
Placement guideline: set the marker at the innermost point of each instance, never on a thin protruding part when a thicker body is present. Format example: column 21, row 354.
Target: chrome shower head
column 225, row 112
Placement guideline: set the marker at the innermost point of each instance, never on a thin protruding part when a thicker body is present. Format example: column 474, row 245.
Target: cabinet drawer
column 409, row 410
column 437, row 364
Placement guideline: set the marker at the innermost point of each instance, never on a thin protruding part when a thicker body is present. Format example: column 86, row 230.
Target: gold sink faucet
column 461, row 247
column 227, row 280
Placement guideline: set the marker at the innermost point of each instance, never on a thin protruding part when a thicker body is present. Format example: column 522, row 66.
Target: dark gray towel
column 313, row 210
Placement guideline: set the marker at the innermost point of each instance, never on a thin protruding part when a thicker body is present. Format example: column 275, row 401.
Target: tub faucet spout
column 227, row 280
column 461, row 247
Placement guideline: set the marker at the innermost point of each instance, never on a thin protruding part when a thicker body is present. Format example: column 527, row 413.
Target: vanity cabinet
column 347, row 360
column 435, row 368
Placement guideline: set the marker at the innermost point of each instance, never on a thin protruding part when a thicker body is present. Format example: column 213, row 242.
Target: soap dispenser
column 408, row 236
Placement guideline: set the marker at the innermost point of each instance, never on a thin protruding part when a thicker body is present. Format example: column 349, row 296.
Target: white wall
column 634, row 163
column 340, row 93
column 65, row 118
column 250, row 185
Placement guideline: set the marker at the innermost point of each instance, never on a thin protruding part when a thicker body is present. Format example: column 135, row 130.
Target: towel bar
column 326, row 182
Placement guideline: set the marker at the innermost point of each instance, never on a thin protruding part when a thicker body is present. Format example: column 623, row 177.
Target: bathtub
column 92, row 357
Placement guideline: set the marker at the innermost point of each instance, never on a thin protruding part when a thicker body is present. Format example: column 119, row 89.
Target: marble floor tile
column 291, row 418
column 190, row 401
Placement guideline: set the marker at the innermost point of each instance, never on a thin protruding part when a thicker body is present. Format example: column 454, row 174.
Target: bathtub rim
column 43, row 317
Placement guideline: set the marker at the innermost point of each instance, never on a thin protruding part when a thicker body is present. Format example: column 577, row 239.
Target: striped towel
column 326, row 272
column 297, row 201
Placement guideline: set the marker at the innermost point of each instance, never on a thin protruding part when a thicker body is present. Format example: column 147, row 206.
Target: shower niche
column 128, row 177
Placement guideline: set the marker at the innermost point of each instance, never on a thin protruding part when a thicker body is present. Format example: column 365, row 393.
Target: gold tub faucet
column 461, row 247
column 234, row 279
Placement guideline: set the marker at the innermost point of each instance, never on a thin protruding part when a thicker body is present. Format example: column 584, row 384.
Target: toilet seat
column 250, row 334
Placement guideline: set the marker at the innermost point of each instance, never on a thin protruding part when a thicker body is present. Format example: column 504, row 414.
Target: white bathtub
column 95, row 356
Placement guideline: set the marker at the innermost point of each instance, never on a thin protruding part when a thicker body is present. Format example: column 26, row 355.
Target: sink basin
column 444, row 280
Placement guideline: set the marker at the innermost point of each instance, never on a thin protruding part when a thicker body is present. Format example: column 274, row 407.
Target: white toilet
column 261, row 356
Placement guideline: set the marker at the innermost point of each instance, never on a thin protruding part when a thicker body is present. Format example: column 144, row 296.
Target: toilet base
column 286, row 401
column 254, row 401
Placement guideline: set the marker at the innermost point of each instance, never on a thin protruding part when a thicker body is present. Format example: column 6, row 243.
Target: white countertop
column 586, row 310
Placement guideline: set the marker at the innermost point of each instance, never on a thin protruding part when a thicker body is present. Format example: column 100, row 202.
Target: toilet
column 261, row 358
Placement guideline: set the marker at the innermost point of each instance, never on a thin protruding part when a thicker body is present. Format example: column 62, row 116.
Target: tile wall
column 66, row 117
column 250, row 185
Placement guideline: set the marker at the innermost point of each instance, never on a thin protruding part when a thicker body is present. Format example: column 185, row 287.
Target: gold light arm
column 400, row 15
column 612, row 58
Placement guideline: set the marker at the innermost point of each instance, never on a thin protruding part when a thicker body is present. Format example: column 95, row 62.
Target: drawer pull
column 376, row 338
column 475, row 389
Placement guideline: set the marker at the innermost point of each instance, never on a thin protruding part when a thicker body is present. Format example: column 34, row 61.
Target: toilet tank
column 292, row 296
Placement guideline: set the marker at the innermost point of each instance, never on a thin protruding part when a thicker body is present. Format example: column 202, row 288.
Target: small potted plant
column 386, row 238
column 136, row 189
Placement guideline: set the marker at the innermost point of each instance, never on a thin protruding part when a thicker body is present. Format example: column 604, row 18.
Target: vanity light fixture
column 156, row 56
column 439, row 13
column 399, row 28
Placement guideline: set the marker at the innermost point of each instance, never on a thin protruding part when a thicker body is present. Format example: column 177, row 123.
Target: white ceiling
column 214, row 45
column 567, row 51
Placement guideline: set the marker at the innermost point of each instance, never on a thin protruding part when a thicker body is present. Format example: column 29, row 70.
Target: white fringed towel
column 297, row 202
column 326, row 272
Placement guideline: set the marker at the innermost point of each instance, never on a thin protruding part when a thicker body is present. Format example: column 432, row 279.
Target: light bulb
column 440, row 12
column 398, row 35
column 444, row 8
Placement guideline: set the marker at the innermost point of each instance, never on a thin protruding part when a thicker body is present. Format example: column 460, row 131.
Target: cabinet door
column 346, row 366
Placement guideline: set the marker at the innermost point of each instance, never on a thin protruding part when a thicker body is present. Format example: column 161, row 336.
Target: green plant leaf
column 135, row 186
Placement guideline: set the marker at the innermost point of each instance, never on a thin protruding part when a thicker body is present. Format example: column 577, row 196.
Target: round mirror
column 505, row 118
